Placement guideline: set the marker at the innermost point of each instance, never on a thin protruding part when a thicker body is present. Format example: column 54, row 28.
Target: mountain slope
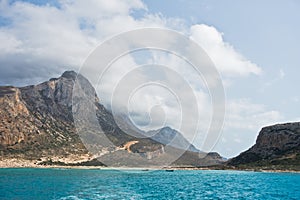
column 165, row 135
column 37, row 123
column 277, row 147
column 33, row 124
column 172, row 137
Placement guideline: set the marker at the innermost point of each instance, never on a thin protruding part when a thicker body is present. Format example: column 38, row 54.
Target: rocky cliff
column 37, row 123
column 277, row 147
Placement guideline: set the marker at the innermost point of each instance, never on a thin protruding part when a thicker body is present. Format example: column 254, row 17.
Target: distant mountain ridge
column 37, row 123
column 167, row 135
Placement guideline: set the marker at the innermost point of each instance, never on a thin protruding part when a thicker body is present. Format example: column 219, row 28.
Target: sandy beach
column 22, row 163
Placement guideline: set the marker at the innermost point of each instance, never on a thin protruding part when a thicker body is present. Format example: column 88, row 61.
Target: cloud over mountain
column 41, row 41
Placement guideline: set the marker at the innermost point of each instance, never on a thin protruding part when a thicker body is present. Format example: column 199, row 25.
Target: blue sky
column 267, row 32
column 41, row 39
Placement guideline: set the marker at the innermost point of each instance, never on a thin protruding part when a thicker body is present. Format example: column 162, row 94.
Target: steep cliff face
column 37, row 122
column 276, row 146
column 13, row 116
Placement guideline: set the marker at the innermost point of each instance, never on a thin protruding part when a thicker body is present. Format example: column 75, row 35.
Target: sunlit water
column 110, row 184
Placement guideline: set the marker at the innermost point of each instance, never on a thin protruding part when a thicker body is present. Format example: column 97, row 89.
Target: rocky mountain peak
column 69, row 75
column 167, row 129
column 37, row 121
column 167, row 135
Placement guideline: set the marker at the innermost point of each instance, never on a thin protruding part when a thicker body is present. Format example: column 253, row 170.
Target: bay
column 28, row 183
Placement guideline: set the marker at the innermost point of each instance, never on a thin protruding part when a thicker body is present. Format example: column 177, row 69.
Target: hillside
column 277, row 148
column 37, row 124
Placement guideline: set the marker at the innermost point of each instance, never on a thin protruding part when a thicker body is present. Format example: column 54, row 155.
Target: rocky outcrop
column 276, row 146
column 14, row 114
column 37, row 123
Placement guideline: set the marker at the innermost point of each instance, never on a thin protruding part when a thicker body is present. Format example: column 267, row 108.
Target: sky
column 253, row 44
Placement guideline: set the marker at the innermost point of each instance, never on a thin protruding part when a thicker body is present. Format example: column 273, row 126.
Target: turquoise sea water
column 112, row 184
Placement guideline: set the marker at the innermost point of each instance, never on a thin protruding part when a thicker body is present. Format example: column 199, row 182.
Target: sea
column 33, row 184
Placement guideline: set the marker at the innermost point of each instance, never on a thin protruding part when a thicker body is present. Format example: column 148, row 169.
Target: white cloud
column 226, row 58
column 182, row 83
column 242, row 114
column 9, row 44
column 43, row 41
column 279, row 76
column 243, row 122
column 99, row 9
column 49, row 37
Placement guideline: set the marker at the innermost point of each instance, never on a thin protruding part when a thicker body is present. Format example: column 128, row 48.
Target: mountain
column 167, row 135
column 37, row 123
column 277, row 147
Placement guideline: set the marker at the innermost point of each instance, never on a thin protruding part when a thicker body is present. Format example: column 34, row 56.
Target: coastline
column 21, row 163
